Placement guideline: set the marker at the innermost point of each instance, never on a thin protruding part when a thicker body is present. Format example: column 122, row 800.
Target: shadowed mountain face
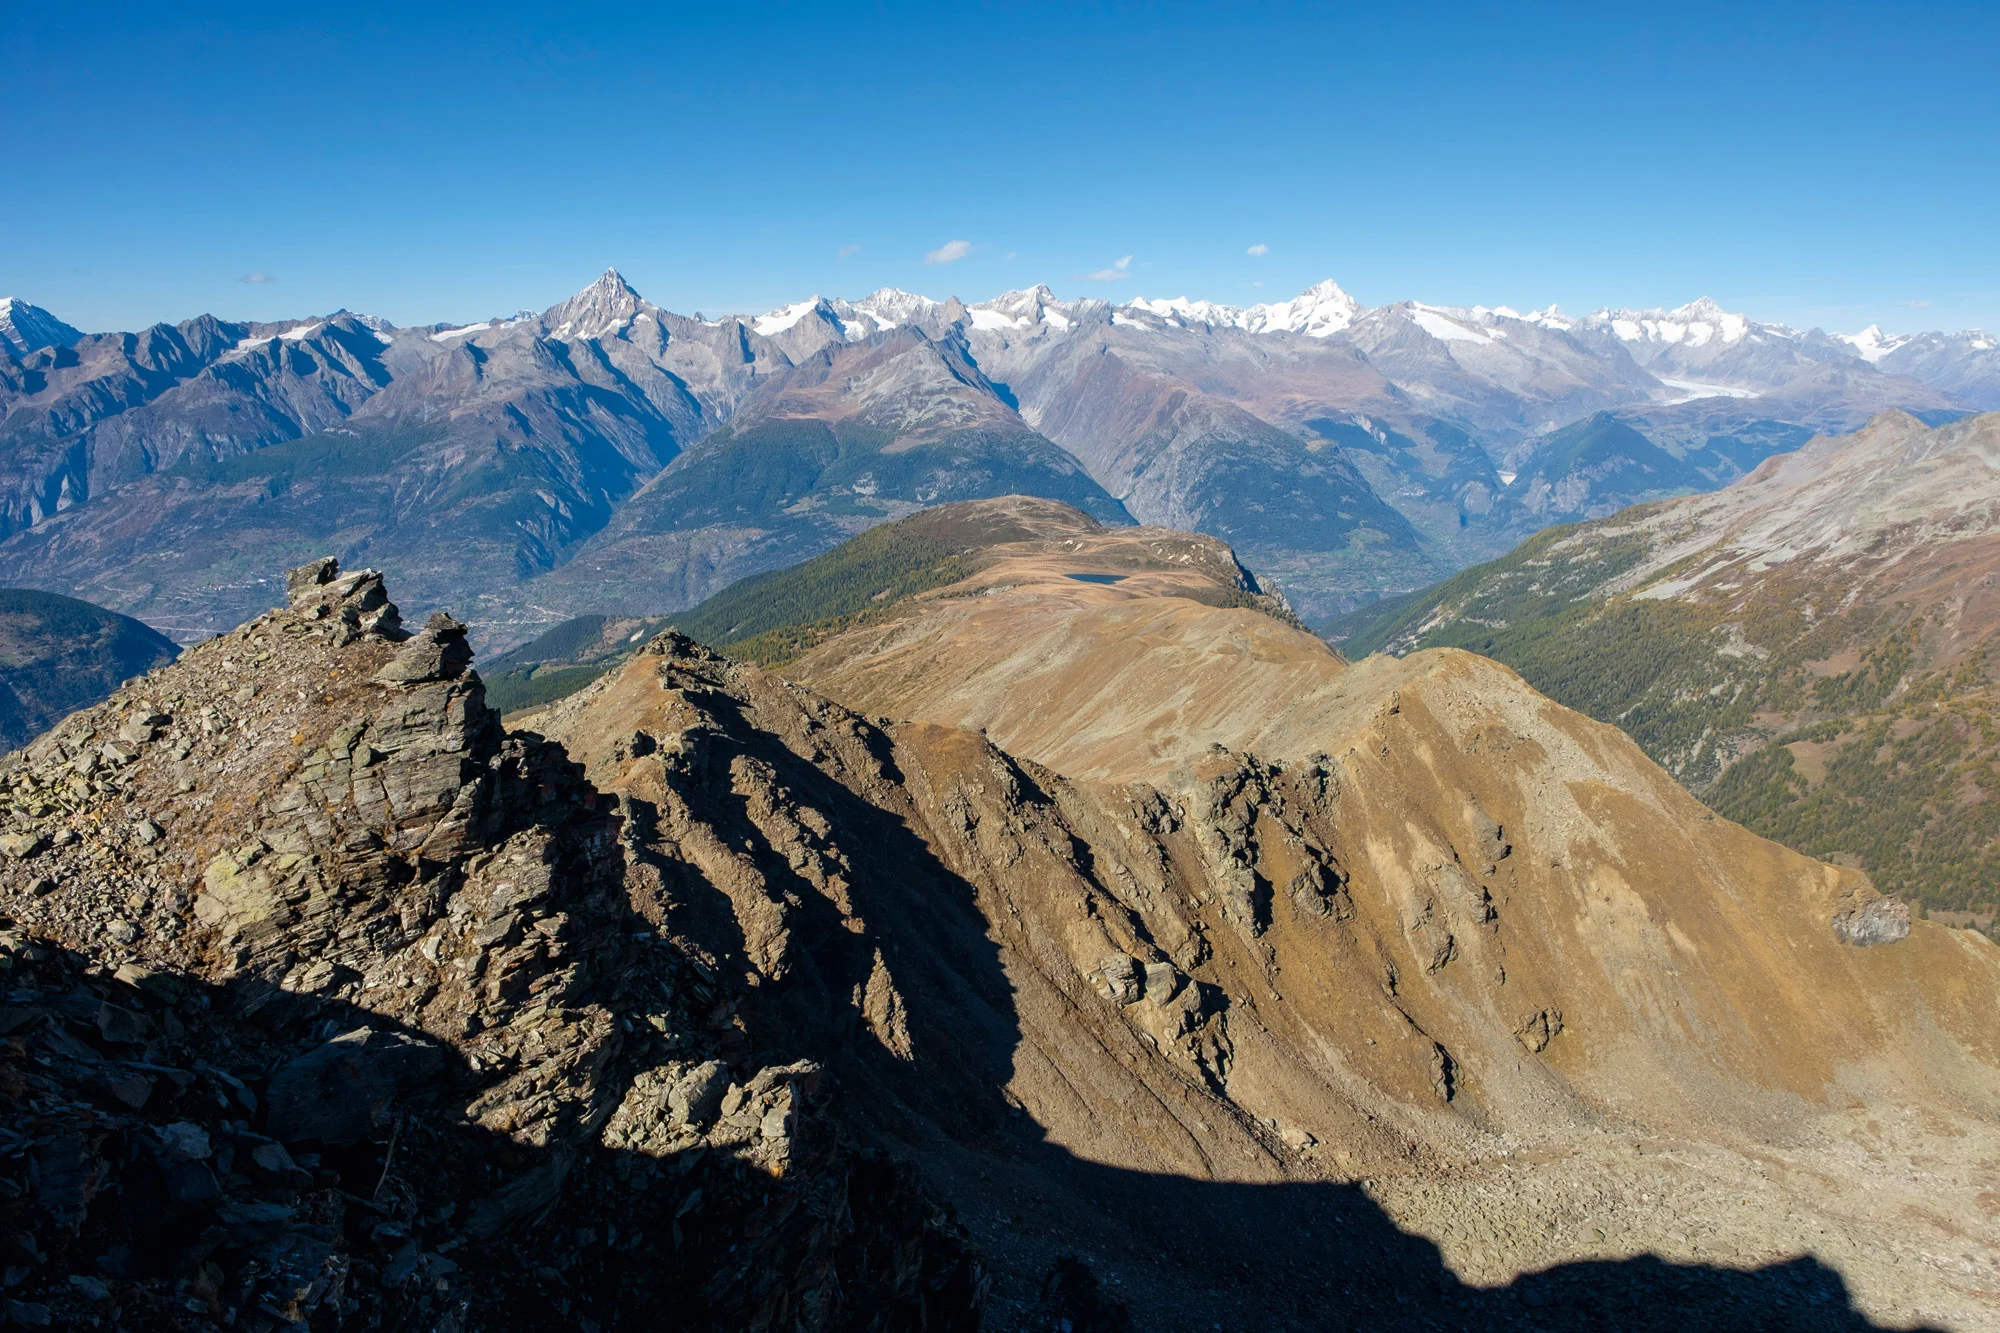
column 1810, row 648
column 1591, row 469
column 58, row 654
column 334, row 1001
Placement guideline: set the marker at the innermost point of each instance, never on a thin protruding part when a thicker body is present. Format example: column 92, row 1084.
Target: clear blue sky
column 1830, row 166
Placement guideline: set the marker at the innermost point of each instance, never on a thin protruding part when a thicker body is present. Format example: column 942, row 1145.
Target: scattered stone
column 340, row 1092
column 185, row 1142
column 1121, row 979
column 437, row 652
column 1882, row 920
column 1540, row 1028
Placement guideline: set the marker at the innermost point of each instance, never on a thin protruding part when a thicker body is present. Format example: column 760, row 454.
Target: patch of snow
column 446, row 335
column 993, row 319
column 1506, row 478
column 783, row 318
column 1694, row 389
column 1446, row 330
column 302, row 332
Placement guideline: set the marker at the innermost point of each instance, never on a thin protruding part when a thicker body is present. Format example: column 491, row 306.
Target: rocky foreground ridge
column 331, row 1003
column 321, row 986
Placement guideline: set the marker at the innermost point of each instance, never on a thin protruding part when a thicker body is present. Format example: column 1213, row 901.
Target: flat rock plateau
column 1044, row 953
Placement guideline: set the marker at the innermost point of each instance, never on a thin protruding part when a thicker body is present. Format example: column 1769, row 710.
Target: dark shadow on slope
column 1188, row 1253
column 140, row 1156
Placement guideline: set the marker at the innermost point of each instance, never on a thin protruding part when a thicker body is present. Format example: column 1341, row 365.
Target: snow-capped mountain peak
column 887, row 308
column 1180, row 310
column 892, row 306
column 1695, row 324
column 25, row 327
column 1023, row 309
column 603, row 307
column 1320, row 311
column 1871, row 344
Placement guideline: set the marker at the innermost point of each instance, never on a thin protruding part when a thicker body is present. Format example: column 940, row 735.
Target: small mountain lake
column 1096, row 578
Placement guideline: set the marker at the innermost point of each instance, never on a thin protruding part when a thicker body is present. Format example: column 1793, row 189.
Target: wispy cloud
column 1115, row 273
column 1918, row 304
column 847, row 250
column 949, row 253
column 256, row 279
column 1258, row 250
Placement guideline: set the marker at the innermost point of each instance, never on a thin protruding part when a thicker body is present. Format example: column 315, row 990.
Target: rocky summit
column 706, row 999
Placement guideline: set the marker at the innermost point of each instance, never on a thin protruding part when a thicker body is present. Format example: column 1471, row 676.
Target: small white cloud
column 1258, row 250
column 1918, row 304
column 1258, row 283
column 1013, row 254
column 1126, row 262
column 256, row 279
column 1116, row 273
column 949, row 253
column 847, row 250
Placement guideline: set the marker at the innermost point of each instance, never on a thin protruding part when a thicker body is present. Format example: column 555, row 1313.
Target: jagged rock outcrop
column 327, row 1007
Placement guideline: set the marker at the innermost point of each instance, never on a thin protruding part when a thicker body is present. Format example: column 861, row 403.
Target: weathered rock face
column 328, row 1007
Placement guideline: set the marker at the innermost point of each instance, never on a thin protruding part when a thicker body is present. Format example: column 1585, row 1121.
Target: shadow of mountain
column 161, row 1167
column 1185, row 1253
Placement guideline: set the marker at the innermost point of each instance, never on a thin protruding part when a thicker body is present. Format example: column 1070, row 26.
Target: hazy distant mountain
column 1966, row 364
column 1347, row 451
column 855, row 434
column 1593, row 468
column 58, row 655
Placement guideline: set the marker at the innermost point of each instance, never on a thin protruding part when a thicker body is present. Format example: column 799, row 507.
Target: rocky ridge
column 323, row 986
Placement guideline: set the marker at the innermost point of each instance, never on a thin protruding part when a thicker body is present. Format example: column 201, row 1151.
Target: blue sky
column 1830, row 166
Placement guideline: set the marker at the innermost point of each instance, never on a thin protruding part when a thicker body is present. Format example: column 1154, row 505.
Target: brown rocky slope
column 334, row 1004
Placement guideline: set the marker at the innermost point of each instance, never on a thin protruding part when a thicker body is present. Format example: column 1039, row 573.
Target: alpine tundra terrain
column 1061, row 935
column 1811, row 649
column 608, row 456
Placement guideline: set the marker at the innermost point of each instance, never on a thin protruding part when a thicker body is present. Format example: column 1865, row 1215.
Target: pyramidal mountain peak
column 603, row 306
column 26, row 327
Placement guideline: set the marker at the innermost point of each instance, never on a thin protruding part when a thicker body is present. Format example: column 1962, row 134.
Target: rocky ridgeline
column 325, row 1005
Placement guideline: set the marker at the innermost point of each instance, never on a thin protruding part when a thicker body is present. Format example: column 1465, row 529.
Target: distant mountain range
column 609, row 456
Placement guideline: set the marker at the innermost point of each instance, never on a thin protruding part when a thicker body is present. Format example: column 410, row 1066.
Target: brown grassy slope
column 1692, row 961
